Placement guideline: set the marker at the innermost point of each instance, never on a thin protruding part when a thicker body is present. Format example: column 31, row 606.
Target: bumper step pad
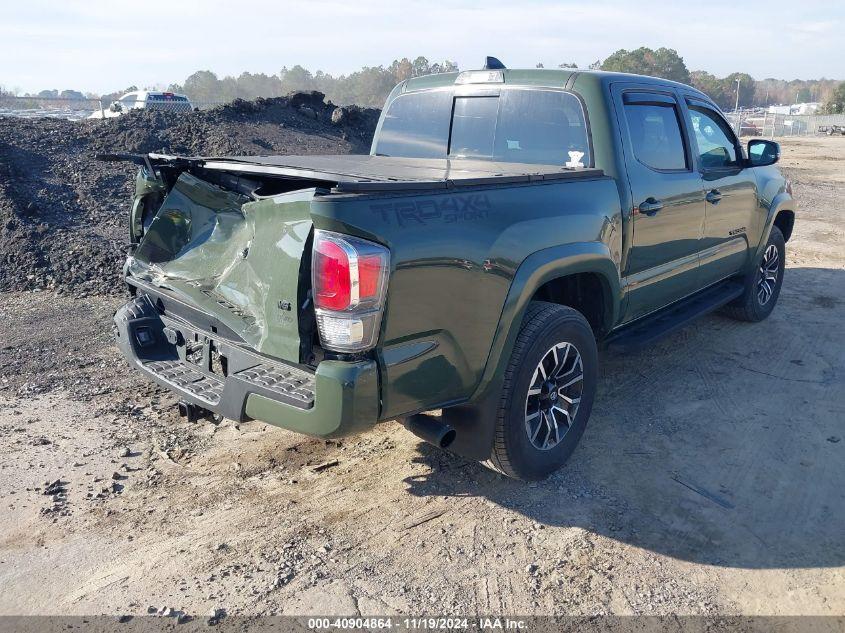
column 146, row 338
column 295, row 387
column 181, row 375
column 298, row 385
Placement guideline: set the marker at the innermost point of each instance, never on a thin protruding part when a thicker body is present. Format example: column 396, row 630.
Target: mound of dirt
column 64, row 215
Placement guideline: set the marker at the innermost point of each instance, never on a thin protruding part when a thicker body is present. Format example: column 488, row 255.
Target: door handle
column 713, row 196
column 650, row 206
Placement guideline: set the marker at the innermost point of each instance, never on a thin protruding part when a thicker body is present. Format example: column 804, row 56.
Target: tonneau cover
column 355, row 173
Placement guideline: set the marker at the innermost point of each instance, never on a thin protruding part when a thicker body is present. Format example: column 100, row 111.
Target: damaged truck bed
column 221, row 266
column 504, row 223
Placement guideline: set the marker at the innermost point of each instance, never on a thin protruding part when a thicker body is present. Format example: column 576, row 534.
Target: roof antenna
column 491, row 63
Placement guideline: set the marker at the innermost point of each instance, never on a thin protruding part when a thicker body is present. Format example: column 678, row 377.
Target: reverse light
column 349, row 282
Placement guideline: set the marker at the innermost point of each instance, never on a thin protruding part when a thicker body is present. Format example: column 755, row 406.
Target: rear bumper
column 229, row 379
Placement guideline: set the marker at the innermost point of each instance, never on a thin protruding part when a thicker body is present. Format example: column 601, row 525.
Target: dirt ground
column 709, row 480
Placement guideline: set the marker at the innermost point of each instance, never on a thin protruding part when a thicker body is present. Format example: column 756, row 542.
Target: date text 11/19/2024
column 422, row 623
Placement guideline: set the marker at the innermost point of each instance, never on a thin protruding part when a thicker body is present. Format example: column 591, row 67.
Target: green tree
column 202, row 86
column 663, row 62
column 421, row 67
column 402, row 69
column 710, row 85
column 297, row 79
column 747, row 88
column 836, row 102
column 251, row 86
column 368, row 86
column 448, row 66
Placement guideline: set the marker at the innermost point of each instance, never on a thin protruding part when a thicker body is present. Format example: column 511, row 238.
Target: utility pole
column 736, row 108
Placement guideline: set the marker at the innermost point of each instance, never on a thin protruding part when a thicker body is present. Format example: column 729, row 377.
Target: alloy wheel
column 554, row 395
column 768, row 274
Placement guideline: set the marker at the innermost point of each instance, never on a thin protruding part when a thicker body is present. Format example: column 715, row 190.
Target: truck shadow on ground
column 724, row 444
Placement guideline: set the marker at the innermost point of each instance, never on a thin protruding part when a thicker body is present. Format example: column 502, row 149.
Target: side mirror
column 762, row 152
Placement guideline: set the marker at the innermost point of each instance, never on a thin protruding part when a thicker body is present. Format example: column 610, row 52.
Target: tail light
column 349, row 282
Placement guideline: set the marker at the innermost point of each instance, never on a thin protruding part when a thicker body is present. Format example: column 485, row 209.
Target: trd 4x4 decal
column 446, row 210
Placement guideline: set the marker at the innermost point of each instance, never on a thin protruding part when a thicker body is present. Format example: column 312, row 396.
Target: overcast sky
column 99, row 47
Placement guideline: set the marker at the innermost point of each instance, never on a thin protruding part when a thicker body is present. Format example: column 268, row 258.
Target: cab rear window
column 518, row 126
column 416, row 126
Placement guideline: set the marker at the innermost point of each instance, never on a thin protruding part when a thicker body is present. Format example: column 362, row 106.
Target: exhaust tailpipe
column 193, row 412
column 431, row 429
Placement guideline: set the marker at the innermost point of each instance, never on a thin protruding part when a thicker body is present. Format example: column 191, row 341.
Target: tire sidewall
column 527, row 461
column 763, row 310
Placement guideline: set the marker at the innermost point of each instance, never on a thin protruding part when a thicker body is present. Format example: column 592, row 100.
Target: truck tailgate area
column 238, row 259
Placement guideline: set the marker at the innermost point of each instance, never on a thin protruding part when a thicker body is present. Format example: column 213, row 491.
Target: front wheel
column 548, row 392
column 762, row 287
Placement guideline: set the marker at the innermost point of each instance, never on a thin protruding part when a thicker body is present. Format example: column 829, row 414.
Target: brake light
column 332, row 282
column 349, row 282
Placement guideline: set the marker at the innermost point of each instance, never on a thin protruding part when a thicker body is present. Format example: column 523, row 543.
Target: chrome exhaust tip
column 431, row 429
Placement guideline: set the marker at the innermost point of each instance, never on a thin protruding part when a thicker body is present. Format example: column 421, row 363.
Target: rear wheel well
column 584, row 292
column 785, row 220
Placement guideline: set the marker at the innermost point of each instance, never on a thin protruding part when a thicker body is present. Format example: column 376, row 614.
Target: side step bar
column 673, row 318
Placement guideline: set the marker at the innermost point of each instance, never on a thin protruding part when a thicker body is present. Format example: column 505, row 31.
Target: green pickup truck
column 505, row 226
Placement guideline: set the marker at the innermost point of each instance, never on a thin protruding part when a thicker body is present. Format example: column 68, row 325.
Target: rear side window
column 416, row 126
column 656, row 138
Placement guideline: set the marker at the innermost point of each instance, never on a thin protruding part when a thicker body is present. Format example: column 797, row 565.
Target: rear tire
column 547, row 395
column 762, row 288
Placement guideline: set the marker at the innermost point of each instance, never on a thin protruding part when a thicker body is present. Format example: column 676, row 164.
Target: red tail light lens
column 349, row 283
column 332, row 282
column 369, row 274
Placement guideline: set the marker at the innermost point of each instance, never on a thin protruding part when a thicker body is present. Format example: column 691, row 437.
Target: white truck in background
column 145, row 99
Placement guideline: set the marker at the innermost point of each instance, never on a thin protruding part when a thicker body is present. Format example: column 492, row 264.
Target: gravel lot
column 709, row 481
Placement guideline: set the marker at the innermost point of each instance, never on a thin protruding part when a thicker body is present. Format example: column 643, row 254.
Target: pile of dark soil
column 64, row 215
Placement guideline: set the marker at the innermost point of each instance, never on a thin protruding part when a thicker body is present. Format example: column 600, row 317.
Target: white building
column 795, row 108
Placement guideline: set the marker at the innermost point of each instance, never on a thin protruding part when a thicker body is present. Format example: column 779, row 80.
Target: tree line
column 366, row 87
column 666, row 63
column 371, row 85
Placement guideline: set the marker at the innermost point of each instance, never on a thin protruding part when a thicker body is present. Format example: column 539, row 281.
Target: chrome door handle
column 713, row 196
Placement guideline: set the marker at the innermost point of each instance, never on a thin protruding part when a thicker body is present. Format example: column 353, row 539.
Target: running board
column 673, row 318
